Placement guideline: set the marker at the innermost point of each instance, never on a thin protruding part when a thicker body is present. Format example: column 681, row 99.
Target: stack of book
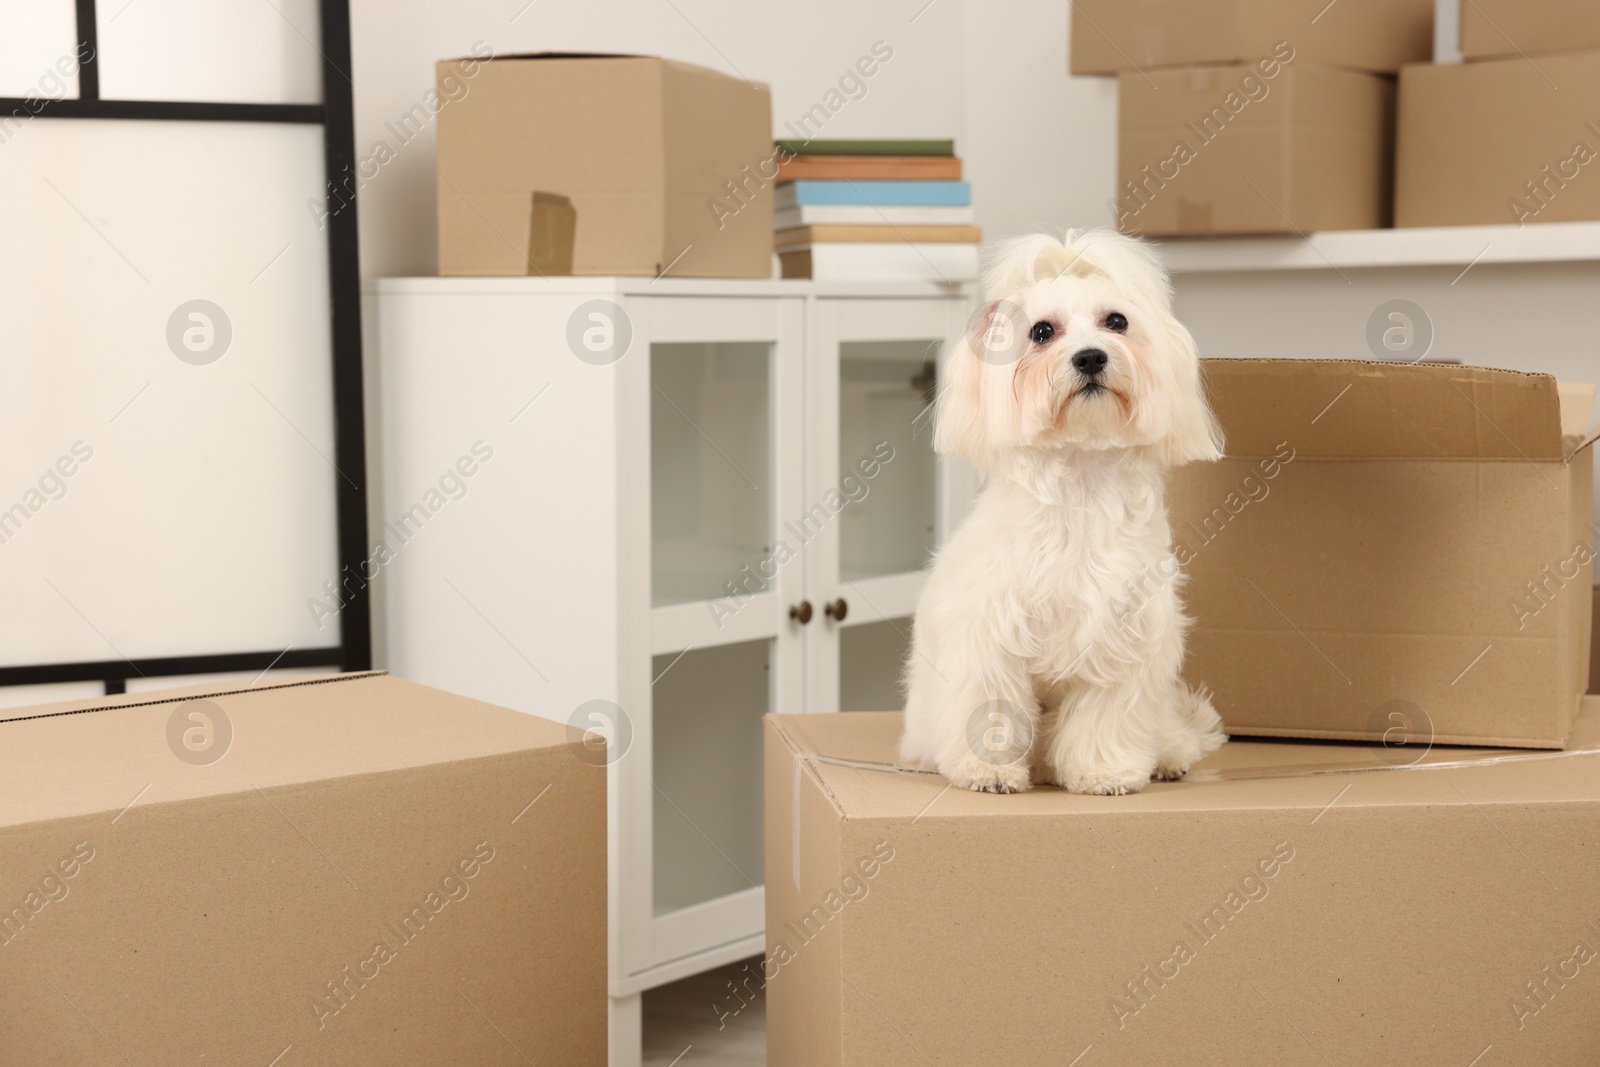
column 874, row 211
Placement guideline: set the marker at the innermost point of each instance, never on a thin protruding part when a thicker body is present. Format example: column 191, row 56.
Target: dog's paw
column 1101, row 781
column 1167, row 771
column 981, row 777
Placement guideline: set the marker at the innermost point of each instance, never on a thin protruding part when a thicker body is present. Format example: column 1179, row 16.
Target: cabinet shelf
column 1458, row 246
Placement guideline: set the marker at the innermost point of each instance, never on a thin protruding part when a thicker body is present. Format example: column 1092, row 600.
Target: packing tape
column 1308, row 770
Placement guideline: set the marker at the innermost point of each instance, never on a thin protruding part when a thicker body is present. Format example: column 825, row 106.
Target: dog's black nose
column 1091, row 362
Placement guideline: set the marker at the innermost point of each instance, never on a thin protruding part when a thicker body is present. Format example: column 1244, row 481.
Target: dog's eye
column 1041, row 332
column 1117, row 322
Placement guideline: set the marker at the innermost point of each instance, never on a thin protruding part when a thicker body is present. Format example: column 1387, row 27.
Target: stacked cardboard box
column 1390, row 542
column 1511, row 135
column 1252, row 116
column 873, row 211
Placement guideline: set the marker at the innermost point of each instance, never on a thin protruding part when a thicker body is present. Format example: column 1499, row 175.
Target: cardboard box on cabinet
column 1276, row 145
column 641, row 147
column 1113, row 36
column 1390, row 545
column 1271, row 908
column 342, row 870
column 1505, row 141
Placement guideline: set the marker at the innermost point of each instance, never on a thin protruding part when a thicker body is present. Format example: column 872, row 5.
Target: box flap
column 854, row 756
column 1339, row 409
column 1577, row 401
column 282, row 733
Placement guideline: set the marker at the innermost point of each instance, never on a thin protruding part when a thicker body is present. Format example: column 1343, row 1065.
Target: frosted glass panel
column 238, row 51
column 165, row 477
column 710, row 475
column 885, row 390
column 38, row 53
column 871, row 659
column 707, row 767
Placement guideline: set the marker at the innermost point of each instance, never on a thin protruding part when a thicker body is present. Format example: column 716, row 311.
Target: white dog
column 1049, row 637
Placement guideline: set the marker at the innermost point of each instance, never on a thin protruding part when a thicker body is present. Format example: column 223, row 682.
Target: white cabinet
column 689, row 503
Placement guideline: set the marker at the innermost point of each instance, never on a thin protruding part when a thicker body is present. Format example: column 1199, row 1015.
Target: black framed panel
column 336, row 115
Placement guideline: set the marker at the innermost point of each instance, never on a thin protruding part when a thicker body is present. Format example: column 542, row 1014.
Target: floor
column 716, row 1018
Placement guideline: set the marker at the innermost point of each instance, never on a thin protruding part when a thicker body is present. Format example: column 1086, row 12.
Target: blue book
column 809, row 192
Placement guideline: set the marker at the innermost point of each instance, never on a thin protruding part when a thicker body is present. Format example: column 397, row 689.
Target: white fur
column 1049, row 637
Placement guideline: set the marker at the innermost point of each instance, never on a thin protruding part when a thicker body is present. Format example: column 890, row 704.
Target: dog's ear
column 977, row 408
column 1194, row 435
column 958, row 422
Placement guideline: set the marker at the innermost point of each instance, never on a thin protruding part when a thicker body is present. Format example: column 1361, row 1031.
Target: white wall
column 1039, row 145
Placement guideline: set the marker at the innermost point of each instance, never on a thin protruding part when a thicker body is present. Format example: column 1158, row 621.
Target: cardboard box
column 1505, row 28
column 1278, row 147
column 642, row 147
column 1112, row 36
column 343, row 870
column 1263, row 911
column 1496, row 142
column 1390, row 545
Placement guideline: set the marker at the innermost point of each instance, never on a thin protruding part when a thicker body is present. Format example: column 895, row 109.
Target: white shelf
column 1554, row 242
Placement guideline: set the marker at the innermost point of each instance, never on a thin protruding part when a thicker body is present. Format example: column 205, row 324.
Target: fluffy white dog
column 1049, row 637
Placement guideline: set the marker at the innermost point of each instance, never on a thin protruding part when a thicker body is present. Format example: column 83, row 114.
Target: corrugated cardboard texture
column 1383, row 533
column 640, row 146
column 1389, row 917
column 1506, row 28
column 230, row 912
column 1497, row 142
column 1110, row 36
column 1311, row 150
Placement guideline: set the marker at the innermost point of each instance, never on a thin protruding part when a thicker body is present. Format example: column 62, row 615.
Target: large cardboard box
column 1390, row 546
column 1279, row 146
column 1505, row 28
column 336, row 871
column 1502, row 141
column 1267, row 910
column 669, row 167
column 1111, row 36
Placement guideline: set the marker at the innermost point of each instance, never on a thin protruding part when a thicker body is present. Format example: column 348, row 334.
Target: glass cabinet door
column 872, row 657
column 874, row 379
column 886, row 391
column 706, row 771
column 716, row 419
column 711, row 479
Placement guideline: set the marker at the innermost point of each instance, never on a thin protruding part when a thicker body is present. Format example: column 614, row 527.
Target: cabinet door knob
column 801, row 612
column 837, row 610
